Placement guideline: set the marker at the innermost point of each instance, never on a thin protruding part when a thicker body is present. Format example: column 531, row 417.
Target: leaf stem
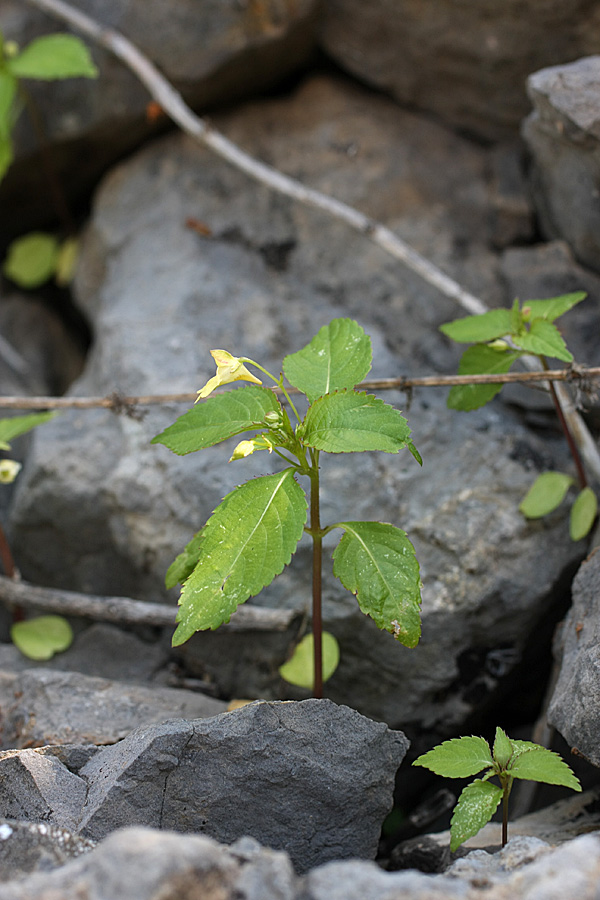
column 316, row 533
column 566, row 430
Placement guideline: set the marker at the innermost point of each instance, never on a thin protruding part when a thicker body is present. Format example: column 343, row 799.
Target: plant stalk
column 581, row 476
column 505, row 797
column 317, row 539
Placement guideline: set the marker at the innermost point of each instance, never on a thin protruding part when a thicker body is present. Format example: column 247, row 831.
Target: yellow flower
column 247, row 448
column 9, row 469
column 229, row 368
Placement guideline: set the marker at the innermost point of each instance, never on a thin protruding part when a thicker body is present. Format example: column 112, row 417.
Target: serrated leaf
column 553, row 307
column 338, row 357
column 299, row 670
column 53, row 56
column 219, row 417
column 42, row 637
column 476, row 805
column 503, row 748
column 16, row 425
column 184, row 564
column 31, row 260
column 377, row 562
column 583, row 514
column 545, row 494
column 484, row 327
column 247, row 542
column 480, row 359
column 458, row 757
column 543, row 339
column 540, row 764
column 353, row 421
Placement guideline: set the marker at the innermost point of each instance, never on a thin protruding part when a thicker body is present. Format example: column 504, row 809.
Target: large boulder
column 213, row 51
column 99, row 509
column 466, row 62
column 563, row 136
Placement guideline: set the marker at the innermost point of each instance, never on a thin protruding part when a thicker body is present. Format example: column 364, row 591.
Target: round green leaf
column 545, row 494
column 31, row 259
column 299, row 670
column 42, row 637
column 583, row 514
column 53, row 56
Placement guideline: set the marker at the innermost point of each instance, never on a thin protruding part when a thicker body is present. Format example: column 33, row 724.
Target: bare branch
column 174, row 106
column 579, row 375
column 124, row 609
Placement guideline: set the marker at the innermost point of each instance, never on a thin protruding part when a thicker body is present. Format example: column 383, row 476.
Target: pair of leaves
column 529, row 329
column 510, row 759
column 251, row 537
column 48, row 58
column 36, row 257
column 547, row 493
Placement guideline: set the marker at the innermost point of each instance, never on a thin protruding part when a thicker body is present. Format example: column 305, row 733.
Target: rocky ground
column 181, row 253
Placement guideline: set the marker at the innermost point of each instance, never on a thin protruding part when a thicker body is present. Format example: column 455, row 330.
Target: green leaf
column 53, row 56
column 219, row 417
column 583, row 514
column 476, row 805
column 42, row 637
column 31, row 259
column 503, row 748
column 539, row 764
column 377, row 562
column 299, row 670
column 338, row 357
column 543, row 339
column 480, row 359
column 554, row 307
column 484, row 327
column 353, row 421
column 8, row 90
column 546, row 493
column 13, row 427
column 458, row 757
column 184, row 564
column 247, row 542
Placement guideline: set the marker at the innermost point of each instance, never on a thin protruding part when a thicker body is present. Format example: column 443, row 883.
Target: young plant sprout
column 253, row 533
column 510, row 759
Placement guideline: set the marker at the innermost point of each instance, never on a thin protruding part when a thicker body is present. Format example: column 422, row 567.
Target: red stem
column 317, row 538
column 567, row 433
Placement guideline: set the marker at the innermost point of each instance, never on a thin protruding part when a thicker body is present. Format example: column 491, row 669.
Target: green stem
column 278, row 382
column 567, row 431
column 317, row 538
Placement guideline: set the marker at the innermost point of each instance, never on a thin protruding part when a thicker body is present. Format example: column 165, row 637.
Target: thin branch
column 579, row 375
column 124, row 609
column 174, row 106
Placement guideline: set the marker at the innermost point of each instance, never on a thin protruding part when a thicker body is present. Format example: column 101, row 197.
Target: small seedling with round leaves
column 253, row 533
column 509, row 759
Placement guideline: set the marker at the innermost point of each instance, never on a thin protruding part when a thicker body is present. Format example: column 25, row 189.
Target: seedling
column 510, row 759
column 253, row 533
column 501, row 337
column 36, row 257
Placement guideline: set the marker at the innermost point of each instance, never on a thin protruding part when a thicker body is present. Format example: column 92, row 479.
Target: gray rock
column 466, row 64
column 108, row 515
column 575, row 706
column 563, row 136
column 27, row 847
column 245, row 48
column 54, row 707
column 312, row 778
column 36, row 787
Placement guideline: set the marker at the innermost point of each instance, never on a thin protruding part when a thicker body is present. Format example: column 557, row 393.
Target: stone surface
column 108, row 515
column 214, row 51
column 312, row 778
column 563, row 135
column 38, row 788
column 575, row 706
column 54, row 707
column 27, row 847
column 466, row 62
